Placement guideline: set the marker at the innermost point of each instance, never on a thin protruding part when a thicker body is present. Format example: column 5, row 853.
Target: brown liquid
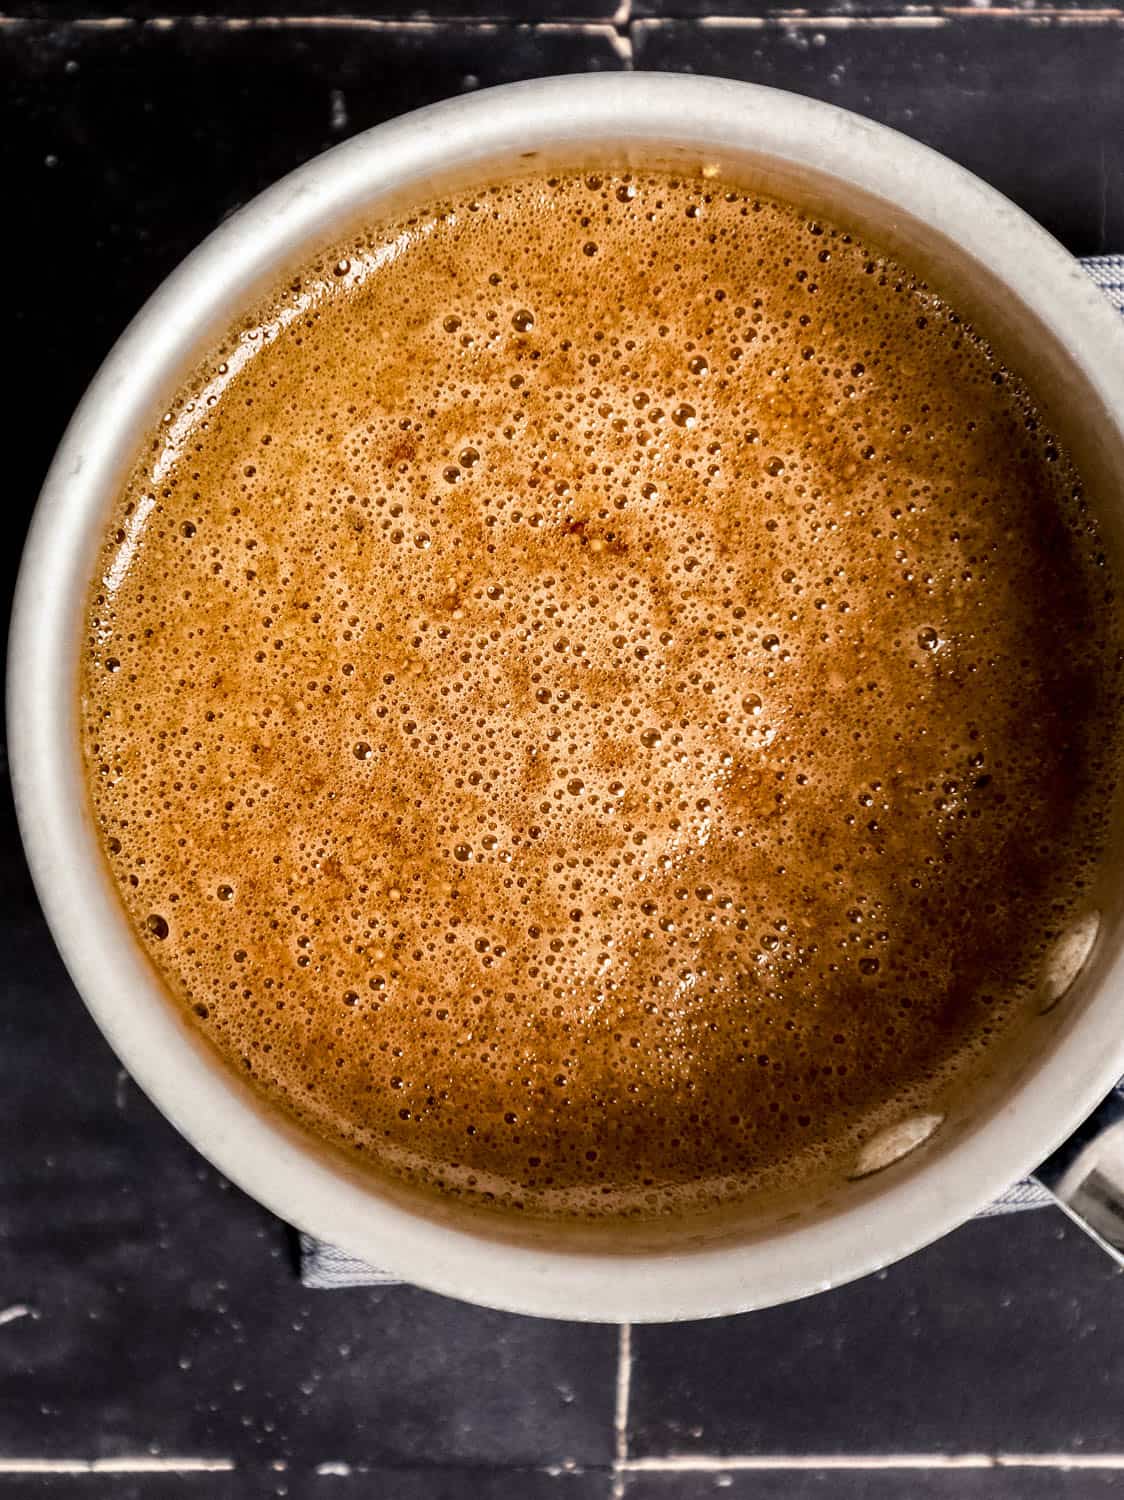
column 601, row 693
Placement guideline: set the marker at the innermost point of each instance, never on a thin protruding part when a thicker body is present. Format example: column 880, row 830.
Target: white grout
column 789, row 21
column 929, row 20
column 623, row 1466
column 568, row 28
column 144, row 1465
column 686, row 1463
column 1059, row 1460
column 620, row 1408
column 738, row 23
column 619, row 28
column 260, row 23
column 622, row 43
column 622, row 22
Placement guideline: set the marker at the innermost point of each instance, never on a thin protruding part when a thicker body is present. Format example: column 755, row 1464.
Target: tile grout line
column 688, row 1463
column 620, row 21
column 623, row 1466
column 620, row 1409
column 621, row 27
column 145, row 1465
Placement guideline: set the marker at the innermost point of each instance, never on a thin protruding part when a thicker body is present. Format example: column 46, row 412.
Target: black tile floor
column 154, row 1339
column 964, row 1348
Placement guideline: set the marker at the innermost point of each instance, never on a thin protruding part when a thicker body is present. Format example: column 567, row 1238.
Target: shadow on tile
column 1002, row 1337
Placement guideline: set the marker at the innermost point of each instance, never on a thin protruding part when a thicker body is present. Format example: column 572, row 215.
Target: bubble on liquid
column 1066, row 958
column 895, row 1143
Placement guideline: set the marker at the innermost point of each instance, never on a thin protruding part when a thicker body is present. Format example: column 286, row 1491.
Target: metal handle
column 1086, row 1175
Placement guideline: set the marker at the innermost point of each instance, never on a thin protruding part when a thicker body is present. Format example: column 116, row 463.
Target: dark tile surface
column 331, row 1480
column 1034, row 108
column 866, row 1484
column 164, row 1316
column 981, row 1343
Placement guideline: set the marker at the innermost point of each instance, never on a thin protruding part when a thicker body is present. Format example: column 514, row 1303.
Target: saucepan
column 924, row 1175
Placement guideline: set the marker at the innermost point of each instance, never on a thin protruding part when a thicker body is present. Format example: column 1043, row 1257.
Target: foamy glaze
column 601, row 694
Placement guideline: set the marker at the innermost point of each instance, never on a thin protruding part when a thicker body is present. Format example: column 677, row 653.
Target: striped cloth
column 324, row 1266
column 1108, row 272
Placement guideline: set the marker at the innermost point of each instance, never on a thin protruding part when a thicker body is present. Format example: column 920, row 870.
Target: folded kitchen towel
column 325, row 1266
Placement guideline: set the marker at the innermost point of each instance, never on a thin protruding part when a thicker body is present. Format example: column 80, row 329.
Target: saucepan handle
column 1086, row 1175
